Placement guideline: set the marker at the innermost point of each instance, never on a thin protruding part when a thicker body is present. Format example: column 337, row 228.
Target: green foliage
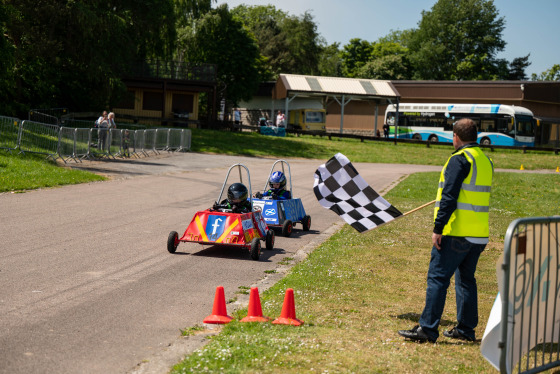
column 517, row 68
column 330, row 62
column 75, row 53
column 354, row 56
column 458, row 40
column 552, row 74
column 221, row 39
column 385, row 67
column 289, row 44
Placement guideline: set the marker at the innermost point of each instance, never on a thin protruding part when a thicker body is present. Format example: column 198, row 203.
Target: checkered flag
column 340, row 188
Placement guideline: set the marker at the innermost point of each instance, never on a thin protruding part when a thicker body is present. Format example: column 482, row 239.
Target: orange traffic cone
column 254, row 313
column 521, row 168
column 558, row 169
column 288, row 315
column 219, row 313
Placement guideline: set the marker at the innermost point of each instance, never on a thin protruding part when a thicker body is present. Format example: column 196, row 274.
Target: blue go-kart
column 282, row 214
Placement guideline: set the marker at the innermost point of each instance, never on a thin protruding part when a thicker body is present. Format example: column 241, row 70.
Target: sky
column 530, row 26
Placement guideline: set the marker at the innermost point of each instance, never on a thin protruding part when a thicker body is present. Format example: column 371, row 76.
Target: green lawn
column 25, row 172
column 356, row 290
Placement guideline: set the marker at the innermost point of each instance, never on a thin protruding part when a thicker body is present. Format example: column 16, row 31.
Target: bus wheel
column 485, row 141
column 417, row 137
column 433, row 139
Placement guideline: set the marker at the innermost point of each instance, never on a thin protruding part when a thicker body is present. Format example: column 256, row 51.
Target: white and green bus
column 498, row 124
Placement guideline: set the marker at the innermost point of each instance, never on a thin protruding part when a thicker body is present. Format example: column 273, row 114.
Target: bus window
column 502, row 125
column 487, row 125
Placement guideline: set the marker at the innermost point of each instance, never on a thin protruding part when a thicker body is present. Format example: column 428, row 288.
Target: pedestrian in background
column 459, row 236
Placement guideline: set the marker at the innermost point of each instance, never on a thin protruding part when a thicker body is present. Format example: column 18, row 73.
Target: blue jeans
column 457, row 256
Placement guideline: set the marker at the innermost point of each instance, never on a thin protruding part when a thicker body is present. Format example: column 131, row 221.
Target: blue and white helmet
column 277, row 177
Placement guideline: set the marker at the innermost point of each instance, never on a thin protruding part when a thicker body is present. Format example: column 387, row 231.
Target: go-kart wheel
column 306, row 223
column 172, row 241
column 270, row 239
column 287, row 228
column 255, row 249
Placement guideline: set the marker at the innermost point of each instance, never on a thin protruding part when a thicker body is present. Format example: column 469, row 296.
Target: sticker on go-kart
column 261, row 225
column 247, row 224
column 215, row 226
column 270, row 212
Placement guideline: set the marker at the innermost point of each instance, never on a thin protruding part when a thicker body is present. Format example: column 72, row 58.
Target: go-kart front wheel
column 255, row 249
column 172, row 241
column 287, row 228
column 306, row 223
column 270, row 240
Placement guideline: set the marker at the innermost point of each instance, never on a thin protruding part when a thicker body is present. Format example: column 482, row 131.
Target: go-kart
column 282, row 214
column 226, row 227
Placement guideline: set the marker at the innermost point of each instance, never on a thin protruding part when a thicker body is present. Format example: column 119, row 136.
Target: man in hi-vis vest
column 459, row 236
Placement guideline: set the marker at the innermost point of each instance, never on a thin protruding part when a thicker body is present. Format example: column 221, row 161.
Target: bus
column 498, row 124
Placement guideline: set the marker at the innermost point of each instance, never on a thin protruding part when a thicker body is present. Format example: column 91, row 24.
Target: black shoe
column 416, row 333
column 455, row 334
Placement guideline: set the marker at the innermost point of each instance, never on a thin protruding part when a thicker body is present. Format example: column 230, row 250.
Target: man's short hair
column 465, row 129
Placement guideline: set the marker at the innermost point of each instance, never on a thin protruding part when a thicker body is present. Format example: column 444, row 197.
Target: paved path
column 88, row 285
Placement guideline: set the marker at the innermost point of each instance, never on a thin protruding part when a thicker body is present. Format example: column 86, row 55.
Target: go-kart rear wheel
column 287, row 228
column 270, row 239
column 306, row 223
column 255, row 249
column 172, row 241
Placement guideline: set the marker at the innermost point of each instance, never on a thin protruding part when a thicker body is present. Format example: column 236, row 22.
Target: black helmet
column 237, row 193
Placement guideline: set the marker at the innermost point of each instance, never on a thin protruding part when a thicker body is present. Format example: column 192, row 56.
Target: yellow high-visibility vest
column 470, row 219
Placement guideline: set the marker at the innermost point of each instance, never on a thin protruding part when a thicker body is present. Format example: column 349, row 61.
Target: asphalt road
column 87, row 284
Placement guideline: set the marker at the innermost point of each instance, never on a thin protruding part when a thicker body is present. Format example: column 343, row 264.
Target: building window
column 128, row 100
column 152, row 101
column 182, row 103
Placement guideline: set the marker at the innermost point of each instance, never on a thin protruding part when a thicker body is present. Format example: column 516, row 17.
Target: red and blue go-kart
column 227, row 228
column 282, row 214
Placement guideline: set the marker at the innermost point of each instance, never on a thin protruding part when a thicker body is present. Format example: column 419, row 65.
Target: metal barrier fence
column 530, row 296
column 36, row 137
column 9, row 132
column 78, row 143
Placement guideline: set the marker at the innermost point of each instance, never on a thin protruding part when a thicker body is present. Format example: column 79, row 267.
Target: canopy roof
column 289, row 85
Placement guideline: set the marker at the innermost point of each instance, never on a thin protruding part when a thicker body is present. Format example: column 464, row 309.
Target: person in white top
column 280, row 119
column 111, row 120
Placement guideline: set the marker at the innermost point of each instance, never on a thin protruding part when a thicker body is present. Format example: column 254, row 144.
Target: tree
column 330, row 63
column 70, row 53
column 265, row 22
column 303, row 44
column 220, row 38
column 458, row 40
column 290, row 44
column 386, row 67
column 188, row 10
column 552, row 74
column 517, row 68
column 354, row 56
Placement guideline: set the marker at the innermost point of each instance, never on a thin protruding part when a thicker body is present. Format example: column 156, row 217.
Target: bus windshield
column 314, row 117
column 525, row 126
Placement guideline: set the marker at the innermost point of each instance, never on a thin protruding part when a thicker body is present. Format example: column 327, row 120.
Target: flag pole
column 418, row 208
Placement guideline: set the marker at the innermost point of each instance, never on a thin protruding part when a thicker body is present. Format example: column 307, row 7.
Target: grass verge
column 356, row 290
column 20, row 172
